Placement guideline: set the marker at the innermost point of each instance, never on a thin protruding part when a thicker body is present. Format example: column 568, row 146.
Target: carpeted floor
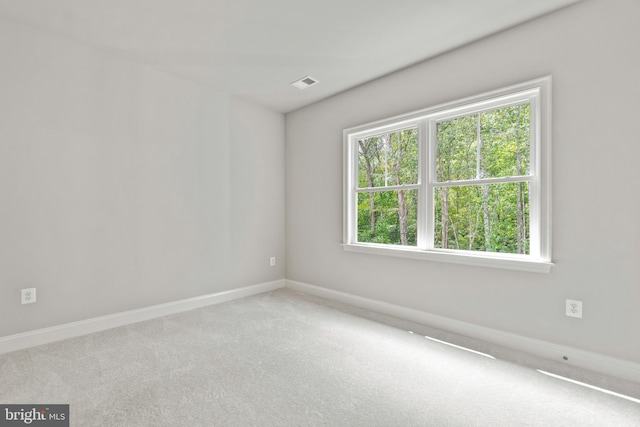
column 289, row 359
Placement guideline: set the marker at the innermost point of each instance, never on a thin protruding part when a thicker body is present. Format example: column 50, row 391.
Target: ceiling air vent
column 304, row 82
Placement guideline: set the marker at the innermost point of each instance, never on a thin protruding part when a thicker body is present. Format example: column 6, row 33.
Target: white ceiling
column 255, row 48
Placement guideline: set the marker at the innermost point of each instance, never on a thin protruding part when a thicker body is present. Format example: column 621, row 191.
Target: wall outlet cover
column 28, row 295
column 574, row 308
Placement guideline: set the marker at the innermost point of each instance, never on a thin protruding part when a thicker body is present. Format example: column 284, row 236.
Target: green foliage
column 388, row 159
column 386, row 227
column 488, row 217
column 492, row 217
column 461, row 155
column 465, row 222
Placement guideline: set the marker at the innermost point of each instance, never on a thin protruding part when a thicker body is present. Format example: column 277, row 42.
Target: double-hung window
column 465, row 182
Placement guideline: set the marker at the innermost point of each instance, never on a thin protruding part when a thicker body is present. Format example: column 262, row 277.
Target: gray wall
column 122, row 187
column 591, row 49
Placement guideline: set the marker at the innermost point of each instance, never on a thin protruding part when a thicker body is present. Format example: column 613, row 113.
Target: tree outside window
column 470, row 178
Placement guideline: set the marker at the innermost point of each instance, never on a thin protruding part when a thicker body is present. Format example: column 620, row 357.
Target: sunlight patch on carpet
column 612, row 393
column 457, row 346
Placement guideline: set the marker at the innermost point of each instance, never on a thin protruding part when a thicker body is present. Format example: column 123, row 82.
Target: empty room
column 319, row 213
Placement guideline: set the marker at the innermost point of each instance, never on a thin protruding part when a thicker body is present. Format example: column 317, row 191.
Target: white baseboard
column 579, row 358
column 582, row 359
column 96, row 324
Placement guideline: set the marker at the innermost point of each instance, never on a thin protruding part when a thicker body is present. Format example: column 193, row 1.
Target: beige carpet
column 289, row 359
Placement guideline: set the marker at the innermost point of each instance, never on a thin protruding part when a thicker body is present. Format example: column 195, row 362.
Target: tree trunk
column 485, row 211
column 402, row 194
column 482, row 173
column 402, row 216
column 369, row 171
column 520, row 232
column 444, row 193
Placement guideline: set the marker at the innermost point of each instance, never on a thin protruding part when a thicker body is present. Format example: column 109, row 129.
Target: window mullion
column 387, row 188
column 351, row 198
column 534, row 190
column 428, row 159
column 463, row 183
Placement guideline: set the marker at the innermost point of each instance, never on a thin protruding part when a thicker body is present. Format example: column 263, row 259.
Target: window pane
column 388, row 159
column 456, row 149
column 388, row 217
column 505, row 142
column 502, row 148
column 488, row 218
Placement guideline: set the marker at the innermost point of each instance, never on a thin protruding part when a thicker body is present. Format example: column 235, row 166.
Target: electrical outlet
column 574, row 308
column 272, row 261
column 28, row 295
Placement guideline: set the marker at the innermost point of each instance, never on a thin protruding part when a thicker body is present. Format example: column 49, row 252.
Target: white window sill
column 506, row 261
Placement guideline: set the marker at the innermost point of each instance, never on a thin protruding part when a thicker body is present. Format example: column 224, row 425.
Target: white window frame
column 538, row 94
